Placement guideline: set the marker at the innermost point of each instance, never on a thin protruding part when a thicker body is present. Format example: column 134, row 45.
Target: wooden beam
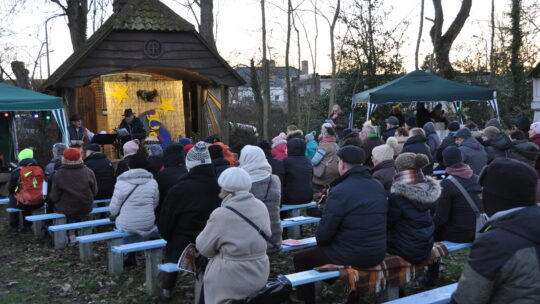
column 224, row 121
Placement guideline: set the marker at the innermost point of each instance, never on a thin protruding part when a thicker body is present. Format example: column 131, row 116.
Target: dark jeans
column 14, row 217
column 306, row 260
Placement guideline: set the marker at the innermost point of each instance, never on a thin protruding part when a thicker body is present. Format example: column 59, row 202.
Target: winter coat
column 238, row 264
column 352, row 139
column 52, row 166
column 384, row 172
column 329, row 160
column 269, row 192
column 504, row 264
column 75, row 133
column 341, row 122
column 186, row 209
column 295, row 134
column 311, row 148
column 174, row 162
column 220, row 165
column 536, row 140
column 122, row 166
column 498, row 146
column 401, row 142
column 524, row 151
column 474, row 154
column 448, row 141
column 455, row 221
column 278, row 168
column 368, row 145
column 155, row 163
column 73, row 190
column 433, row 139
column 389, row 133
column 352, row 230
column 410, row 225
column 279, row 150
column 135, row 128
column 418, row 144
column 104, row 173
column 136, row 213
column 298, row 174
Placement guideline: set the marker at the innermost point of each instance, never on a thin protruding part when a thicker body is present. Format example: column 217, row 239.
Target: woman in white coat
column 238, row 263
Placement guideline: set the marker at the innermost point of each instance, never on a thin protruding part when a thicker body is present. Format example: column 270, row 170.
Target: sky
column 238, row 24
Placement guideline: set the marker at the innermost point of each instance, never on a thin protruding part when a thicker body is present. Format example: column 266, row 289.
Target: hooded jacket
column 504, row 263
column 104, row 173
column 433, row 139
column 474, row 154
column 498, row 146
column 410, row 225
column 524, row 151
column 298, row 174
column 418, row 144
column 352, row 230
column 448, row 141
column 384, row 172
column 135, row 213
column 278, row 168
column 174, row 162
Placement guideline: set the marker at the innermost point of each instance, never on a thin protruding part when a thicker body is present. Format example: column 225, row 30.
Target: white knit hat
column 386, row 151
column 234, row 180
column 198, row 155
column 536, row 127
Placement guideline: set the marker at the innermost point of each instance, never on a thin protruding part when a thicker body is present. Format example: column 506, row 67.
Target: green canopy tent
column 419, row 86
column 15, row 99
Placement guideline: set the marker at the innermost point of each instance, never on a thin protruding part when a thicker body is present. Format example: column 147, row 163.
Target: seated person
column 352, row 230
column 298, row 174
column 103, row 170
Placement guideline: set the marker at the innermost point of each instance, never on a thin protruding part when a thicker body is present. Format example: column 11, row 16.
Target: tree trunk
column 266, row 79
column 297, row 100
column 76, row 12
column 206, row 27
column 416, row 66
column 516, row 65
column 290, row 103
column 333, row 58
column 21, row 74
column 259, row 103
column 492, row 50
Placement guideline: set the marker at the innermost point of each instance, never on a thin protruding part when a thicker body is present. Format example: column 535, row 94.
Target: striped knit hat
column 198, row 155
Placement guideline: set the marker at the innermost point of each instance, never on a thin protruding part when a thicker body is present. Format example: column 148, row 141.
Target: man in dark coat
column 496, row 143
column 298, row 174
column 473, row 152
column 448, row 141
column 187, row 207
column 417, row 144
column 522, row 149
column 77, row 132
column 392, row 124
column 103, row 170
column 133, row 125
column 370, row 140
column 175, row 168
column 504, row 262
column 276, row 164
column 339, row 119
column 352, row 230
column 218, row 159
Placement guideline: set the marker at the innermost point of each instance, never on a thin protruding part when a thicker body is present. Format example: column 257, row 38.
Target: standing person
column 402, row 135
column 264, row 186
column 278, row 168
column 522, row 149
column 311, row 145
column 473, row 152
column 422, row 114
column 384, row 166
column 218, row 160
column 352, row 230
column 294, row 132
column 504, row 264
column 534, row 137
column 417, row 144
column 103, row 171
column 74, row 188
column 370, row 140
column 413, row 196
column 298, row 174
column 25, row 190
column 448, row 141
column 133, row 126
column 279, row 146
column 186, row 209
column 392, row 123
column 175, row 168
column 129, row 149
column 437, row 115
column 396, row 112
column 341, row 121
column 238, row 264
column 433, row 139
column 78, row 134
column 325, row 161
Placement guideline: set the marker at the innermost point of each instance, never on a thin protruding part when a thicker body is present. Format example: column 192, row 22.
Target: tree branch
column 64, row 8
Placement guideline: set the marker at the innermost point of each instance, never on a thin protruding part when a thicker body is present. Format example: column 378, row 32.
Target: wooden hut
column 147, row 58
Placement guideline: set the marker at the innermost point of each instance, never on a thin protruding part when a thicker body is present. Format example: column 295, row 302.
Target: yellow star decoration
column 166, row 105
column 120, row 93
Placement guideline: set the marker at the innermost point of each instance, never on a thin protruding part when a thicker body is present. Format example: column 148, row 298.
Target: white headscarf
column 253, row 160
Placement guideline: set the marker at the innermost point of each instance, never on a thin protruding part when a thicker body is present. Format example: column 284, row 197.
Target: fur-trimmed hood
column 425, row 193
column 295, row 134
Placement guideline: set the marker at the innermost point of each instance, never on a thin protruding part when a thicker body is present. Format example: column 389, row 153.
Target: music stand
column 103, row 139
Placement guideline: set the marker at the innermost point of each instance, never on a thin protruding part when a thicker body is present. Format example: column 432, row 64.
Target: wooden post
column 60, row 237
column 198, row 289
column 224, row 121
column 294, row 232
column 116, row 260
column 85, row 249
column 388, row 294
column 152, row 258
column 37, row 225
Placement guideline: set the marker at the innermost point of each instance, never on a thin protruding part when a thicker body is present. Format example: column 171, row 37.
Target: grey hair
column 417, row 131
column 58, row 148
column 368, row 130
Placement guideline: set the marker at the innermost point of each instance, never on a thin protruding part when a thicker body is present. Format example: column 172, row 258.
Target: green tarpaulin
column 19, row 99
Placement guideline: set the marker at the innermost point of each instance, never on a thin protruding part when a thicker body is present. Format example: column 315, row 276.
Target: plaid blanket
column 393, row 271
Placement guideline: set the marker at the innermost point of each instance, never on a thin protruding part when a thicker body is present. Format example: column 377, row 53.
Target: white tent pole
column 496, row 104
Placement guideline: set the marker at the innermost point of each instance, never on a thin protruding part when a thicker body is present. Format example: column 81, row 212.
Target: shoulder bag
column 481, row 217
column 320, row 169
column 113, row 217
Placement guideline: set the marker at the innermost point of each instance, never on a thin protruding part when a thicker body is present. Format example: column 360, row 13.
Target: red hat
column 72, row 154
column 188, row 147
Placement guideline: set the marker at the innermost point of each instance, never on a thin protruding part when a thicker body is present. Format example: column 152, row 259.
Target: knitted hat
column 93, row 147
column 463, row 133
column 138, row 160
column 522, row 123
column 490, row 132
column 327, row 130
column 72, row 154
column 234, row 180
column 131, row 147
column 215, row 151
column 309, row 137
column 155, row 150
column 26, row 153
column 198, row 155
column 265, row 146
column 494, row 122
column 352, row 155
column 453, row 126
column 185, row 141
column 188, row 147
column 281, row 136
column 386, row 151
column 451, row 156
column 411, row 122
column 174, row 155
column 508, row 184
column 392, row 120
column 411, row 161
column 536, row 127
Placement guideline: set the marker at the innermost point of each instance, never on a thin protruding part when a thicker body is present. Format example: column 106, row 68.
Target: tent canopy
column 419, row 86
column 19, row 99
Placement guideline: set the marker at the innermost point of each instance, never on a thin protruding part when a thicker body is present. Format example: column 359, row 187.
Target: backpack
column 29, row 190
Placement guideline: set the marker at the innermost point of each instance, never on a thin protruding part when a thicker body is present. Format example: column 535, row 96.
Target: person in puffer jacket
column 279, row 146
column 504, row 262
column 496, row 143
column 433, row 139
column 412, row 197
column 298, row 174
column 522, row 149
column 473, row 152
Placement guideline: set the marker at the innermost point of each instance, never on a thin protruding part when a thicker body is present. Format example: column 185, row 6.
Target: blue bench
column 441, row 295
column 12, row 210
column 308, row 242
column 295, row 207
column 298, row 221
column 85, row 228
column 294, row 232
column 4, row 201
column 114, row 238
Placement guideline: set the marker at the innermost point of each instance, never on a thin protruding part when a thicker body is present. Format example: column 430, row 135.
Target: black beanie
column 265, row 146
column 352, row 155
column 508, row 184
column 451, row 156
column 215, row 151
column 174, row 155
column 453, row 126
column 139, row 160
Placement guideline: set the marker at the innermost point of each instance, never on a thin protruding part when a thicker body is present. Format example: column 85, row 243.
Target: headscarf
column 253, row 160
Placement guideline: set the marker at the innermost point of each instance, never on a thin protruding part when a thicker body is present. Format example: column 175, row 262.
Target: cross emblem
column 152, row 48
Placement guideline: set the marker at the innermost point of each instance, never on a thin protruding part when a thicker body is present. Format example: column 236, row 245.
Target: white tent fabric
column 60, row 117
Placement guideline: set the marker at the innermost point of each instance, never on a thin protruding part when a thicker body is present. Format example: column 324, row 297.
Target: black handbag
column 277, row 290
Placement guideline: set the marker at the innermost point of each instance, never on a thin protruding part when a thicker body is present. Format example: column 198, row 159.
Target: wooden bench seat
column 441, row 295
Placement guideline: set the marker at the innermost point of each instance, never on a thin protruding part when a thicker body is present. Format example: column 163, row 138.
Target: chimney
column 118, row 5
column 305, row 68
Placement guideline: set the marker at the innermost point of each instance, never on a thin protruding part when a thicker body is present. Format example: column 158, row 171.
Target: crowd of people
column 380, row 198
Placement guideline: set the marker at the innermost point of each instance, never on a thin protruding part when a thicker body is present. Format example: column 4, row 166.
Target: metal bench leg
column 388, row 294
column 294, row 232
column 37, row 225
column 116, row 260
column 85, row 249
column 152, row 258
column 198, row 289
column 60, row 237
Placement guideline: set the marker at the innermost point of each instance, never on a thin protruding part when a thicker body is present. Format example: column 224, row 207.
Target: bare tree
column 76, row 12
column 290, row 105
column 205, row 18
column 21, row 74
column 419, row 35
column 266, row 78
column 516, row 64
column 492, row 50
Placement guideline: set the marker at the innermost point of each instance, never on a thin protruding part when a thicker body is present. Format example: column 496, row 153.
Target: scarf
column 253, row 160
column 372, row 135
column 410, row 177
column 460, row 170
column 328, row 139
